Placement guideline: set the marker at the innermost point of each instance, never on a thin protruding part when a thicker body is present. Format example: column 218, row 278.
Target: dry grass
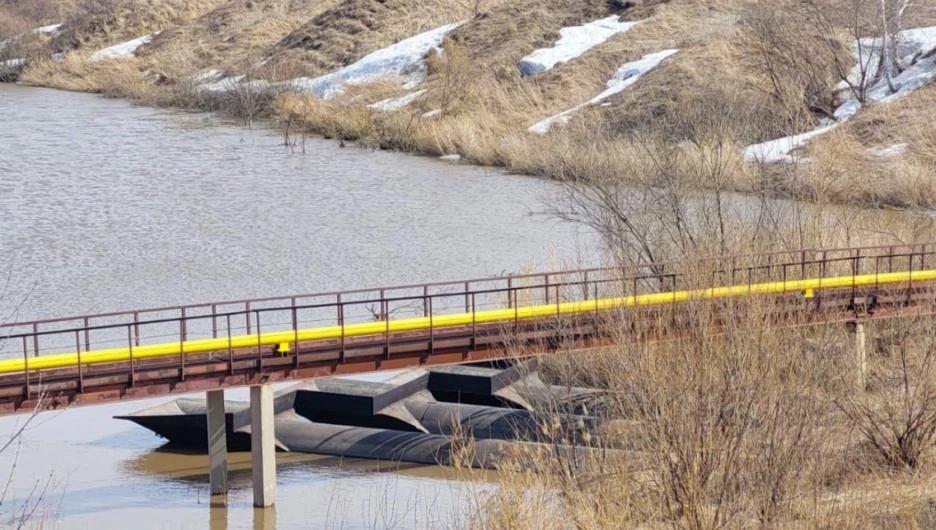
column 92, row 24
column 18, row 17
column 354, row 28
column 747, row 71
column 236, row 35
column 738, row 425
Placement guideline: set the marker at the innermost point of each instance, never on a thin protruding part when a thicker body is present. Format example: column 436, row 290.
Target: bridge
column 94, row 359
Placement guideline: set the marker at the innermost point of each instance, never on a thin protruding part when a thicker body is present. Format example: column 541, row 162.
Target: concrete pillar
column 264, row 519
column 262, row 446
column 861, row 354
column 217, row 516
column 217, row 443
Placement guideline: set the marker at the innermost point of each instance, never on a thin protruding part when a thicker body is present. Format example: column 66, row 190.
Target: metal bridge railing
column 135, row 330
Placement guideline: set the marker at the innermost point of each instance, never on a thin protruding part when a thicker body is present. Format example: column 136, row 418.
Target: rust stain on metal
column 232, row 367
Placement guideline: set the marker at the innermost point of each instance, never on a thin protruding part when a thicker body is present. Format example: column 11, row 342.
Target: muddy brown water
column 105, row 207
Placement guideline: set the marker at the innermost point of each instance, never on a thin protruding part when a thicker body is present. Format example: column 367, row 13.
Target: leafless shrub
column 457, row 76
column 899, row 420
column 797, row 55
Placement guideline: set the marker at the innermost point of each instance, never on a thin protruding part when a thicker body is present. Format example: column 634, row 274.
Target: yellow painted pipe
column 808, row 286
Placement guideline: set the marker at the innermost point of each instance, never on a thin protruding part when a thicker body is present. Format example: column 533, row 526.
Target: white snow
column 625, row 76
column 779, row 150
column 451, row 158
column 215, row 83
column 573, row 42
column 889, row 152
column 46, row 30
column 431, row 114
column 405, row 60
column 375, row 377
column 207, row 76
column 124, row 49
column 212, row 81
column 12, row 64
column 917, row 49
column 396, row 103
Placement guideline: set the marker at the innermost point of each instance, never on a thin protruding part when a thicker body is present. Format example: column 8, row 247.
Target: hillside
column 594, row 89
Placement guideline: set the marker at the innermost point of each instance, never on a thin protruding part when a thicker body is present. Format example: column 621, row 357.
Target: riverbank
column 109, row 207
column 579, row 91
column 182, row 188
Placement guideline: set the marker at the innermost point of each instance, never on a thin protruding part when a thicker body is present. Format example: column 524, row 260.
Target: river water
column 106, row 207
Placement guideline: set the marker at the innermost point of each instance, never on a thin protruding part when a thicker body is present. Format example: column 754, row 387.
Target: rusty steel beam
column 106, row 383
column 89, row 384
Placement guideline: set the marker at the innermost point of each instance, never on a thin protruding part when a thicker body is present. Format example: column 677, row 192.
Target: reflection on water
column 107, row 207
column 173, row 465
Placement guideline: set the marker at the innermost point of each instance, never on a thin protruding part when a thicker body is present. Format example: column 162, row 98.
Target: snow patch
column 13, row 64
column 451, row 158
column 780, row 150
column 47, row 30
column 573, row 42
column 405, row 59
column 625, row 76
column 917, row 49
column 216, row 83
column 431, row 114
column 124, row 49
column 396, row 103
column 889, row 152
column 375, row 377
column 208, row 76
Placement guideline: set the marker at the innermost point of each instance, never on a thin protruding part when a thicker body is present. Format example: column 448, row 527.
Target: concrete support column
column 861, row 354
column 217, row 443
column 262, row 445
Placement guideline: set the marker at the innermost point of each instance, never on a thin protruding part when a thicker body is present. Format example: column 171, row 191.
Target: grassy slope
column 718, row 91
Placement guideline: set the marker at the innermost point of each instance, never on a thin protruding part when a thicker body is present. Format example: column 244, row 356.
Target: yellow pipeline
column 66, row 360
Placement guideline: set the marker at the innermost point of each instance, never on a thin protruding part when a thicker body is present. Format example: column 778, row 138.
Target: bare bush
column 798, row 55
column 899, row 420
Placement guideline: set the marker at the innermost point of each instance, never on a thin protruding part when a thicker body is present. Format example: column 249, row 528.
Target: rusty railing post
column 295, row 333
column 130, row 348
column 474, row 322
column 431, row 330
column 509, row 292
column 230, row 345
column 181, row 351
column 467, row 298
column 87, row 334
column 26, row 365
column 259, row 344
column 80, row 368
column 341, row 322
column 136, row 327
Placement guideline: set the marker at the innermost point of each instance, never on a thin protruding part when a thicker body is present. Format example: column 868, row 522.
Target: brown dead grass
column 718, row 90
column 236, row 35
column 18, row 16
column 354, row 28
column 93, row 24
column 743, row 429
